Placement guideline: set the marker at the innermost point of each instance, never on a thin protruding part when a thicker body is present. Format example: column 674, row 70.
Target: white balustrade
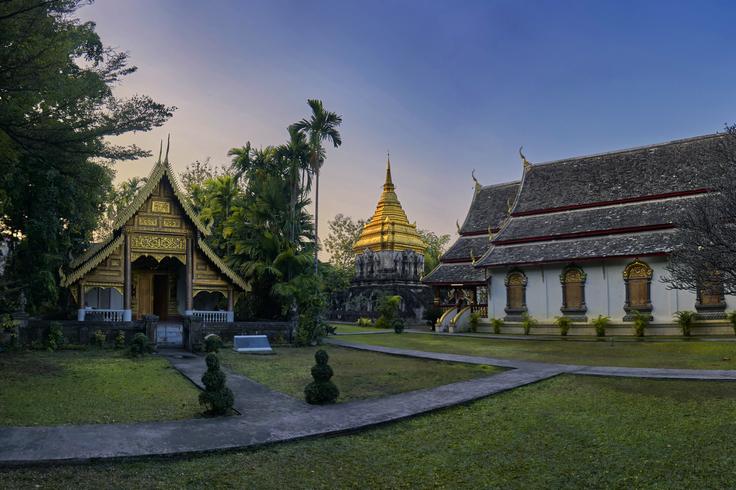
column 213, row 316
column 101, row 315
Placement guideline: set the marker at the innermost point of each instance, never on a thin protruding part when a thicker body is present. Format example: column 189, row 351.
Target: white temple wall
column 605, row 291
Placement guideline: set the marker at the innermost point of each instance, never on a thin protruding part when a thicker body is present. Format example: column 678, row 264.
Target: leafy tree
column 320, row 127
column 56, row 108
column 436, row 246
column 119, row 198
column 197, row 173
column 344, row 232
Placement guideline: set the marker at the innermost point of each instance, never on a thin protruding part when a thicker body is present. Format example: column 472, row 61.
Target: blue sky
column 447, row 87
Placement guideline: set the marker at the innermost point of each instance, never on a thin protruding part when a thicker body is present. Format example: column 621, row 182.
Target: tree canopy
column 56, row 107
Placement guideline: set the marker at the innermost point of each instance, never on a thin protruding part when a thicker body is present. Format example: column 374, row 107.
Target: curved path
column 269, row 417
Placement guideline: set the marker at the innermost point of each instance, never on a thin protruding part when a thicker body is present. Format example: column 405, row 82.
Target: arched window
column 638, row 280
column 515, row 295
column 572, row 279
column 710, row 301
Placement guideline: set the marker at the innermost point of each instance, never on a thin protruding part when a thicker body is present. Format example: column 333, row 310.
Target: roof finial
column 160, row 149
column 524, row 161
column 389, row 182
column 477, row 184
column 168, row 141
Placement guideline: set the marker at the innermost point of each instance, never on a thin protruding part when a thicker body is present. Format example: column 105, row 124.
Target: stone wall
column 77, row 332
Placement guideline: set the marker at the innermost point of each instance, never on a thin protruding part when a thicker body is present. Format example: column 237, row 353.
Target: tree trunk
column 316, row 222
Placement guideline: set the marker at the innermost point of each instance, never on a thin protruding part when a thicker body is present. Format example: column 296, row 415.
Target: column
column 80, row 294
column 127, row 282
column 189, row 271
column 230, row 302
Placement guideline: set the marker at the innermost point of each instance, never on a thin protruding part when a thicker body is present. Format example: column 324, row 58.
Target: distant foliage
column 732, row 318
column 343, row 234
column 432, row 314
column 496, row 323
column 563, row 323
column 120, row 340
column 99, row 339
column 140, row 345
column 601, row 323
column 474, row 321
column 364, row 322
column 321, row 391
column 686, row 320
column 216, row 397
column 641, row 322
column 436, row 246
column 56, row 337
column 212, row 343
column 527, row 322
column 388, row 310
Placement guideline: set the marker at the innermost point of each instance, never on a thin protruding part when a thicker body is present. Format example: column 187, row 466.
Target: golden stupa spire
column 389, row 228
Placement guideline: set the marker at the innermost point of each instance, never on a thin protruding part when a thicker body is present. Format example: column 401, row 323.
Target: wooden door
column 161, row 296
column 144, row 294
column 638, row 292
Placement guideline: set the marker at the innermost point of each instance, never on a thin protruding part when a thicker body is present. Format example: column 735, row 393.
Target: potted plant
column 641, row 322
column 685, row 319
column 600, row 323
column 563, row 323
column 527, row 322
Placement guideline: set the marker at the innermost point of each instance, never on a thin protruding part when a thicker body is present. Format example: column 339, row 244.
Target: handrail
column 459, row 314
column 213, row 316
column 103, row 314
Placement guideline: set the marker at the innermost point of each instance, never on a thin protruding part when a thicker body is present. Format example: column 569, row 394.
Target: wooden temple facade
column 154, row 262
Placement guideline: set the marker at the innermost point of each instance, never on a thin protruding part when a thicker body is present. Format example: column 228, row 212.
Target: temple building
column 389, row 261
column 155, row 261
column 589, row 236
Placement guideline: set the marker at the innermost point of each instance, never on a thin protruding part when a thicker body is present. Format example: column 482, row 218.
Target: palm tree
column 320, row 127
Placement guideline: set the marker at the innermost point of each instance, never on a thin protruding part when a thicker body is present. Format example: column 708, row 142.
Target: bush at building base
column 212, row 343
column 321, row 391
column 140, row 345
column 217, row 397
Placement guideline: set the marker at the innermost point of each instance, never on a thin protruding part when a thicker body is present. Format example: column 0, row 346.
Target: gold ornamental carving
column 638, row 270
column 161, row 207
column 147, row 221
column 158, row 242
column 170, row 223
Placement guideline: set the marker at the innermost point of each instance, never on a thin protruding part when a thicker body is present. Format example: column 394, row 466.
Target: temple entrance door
column 161, row 296
column 144, row 295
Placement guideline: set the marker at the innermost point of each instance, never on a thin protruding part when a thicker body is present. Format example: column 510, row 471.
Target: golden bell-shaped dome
column 389, row 228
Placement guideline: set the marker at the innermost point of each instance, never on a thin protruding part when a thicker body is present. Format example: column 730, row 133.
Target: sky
column 445, row 86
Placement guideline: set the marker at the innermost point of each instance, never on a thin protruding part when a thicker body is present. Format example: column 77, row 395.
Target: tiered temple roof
column 623, row 203
column 389, row 228
column 488, row 210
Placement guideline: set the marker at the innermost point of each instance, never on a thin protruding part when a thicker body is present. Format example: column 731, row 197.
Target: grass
column 358, row 374
column 342, row 328
column 74, row 387
column 567, row 432
column 686, row 354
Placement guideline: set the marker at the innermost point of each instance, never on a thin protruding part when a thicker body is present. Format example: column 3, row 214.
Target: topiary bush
column 216, row 397
column 399, row 325
column 140, row 345
column 527, row 322
column 496, row 323
column 99, row 338
column 685, row 319
column 601, row 323
column 120, row 340
column 212, row 343
column 563, row 323
column 321, row 391
column 56, row 337
column 641, row 322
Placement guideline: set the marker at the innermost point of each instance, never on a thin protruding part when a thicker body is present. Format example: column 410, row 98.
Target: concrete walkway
column 270, row 417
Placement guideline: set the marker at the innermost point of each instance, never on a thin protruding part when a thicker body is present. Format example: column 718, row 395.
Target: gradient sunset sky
column 447, row 87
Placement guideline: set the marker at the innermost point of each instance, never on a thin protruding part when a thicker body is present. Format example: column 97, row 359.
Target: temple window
column 710, row 301
column 573, row 279
column 515, row 295
column 638, row 281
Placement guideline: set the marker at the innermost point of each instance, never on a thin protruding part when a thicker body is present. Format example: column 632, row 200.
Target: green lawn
column 341, row 328
column 567, row 432
column 74, row 387
column 683, row 354
column 358, row 374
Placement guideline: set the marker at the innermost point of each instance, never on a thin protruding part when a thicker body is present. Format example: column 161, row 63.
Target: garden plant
column 527, row 322
column 321, row 391
column 600, row 323
column 686, row 319
column 217, row 397
column 563, row 323
column 496, row 324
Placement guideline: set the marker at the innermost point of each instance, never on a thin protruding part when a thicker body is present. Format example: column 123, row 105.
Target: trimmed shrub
column 388, row 309
column 364, row 322
column 399, row 325
column 140, row 345
column 56, row 337
column 563, row 323
column 212, row 343
column 527, row 322
column 98, row 340
column 474, row 321
column 496, row 323
column 732, row 318
column 321, row 391
column 600, row 323
column 216, row 397
column 641, row 322
column 685, row 319
column 120, row 340
column 432, row 314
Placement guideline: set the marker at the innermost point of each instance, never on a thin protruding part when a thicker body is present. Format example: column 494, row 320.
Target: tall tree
column 56, row 108
column 436, row 246
column 344, row 232
column 320, row 127
column 118, row 199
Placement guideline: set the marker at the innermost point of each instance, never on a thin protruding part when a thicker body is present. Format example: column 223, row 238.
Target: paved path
column 269, row 416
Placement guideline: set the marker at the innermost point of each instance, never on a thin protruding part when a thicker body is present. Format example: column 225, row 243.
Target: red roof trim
column 583, row 234
column 478, row 233
column 609, row 203
column 576, row 259
column 450, row 283
column 467, row 260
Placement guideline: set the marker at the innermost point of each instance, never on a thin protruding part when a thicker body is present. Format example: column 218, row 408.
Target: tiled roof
column 455, row 274
column 489, row 208
column 467, row 248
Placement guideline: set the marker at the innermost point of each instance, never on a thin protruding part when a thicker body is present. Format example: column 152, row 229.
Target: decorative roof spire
column 388, row 185
column 524, row 161
column 477, row 184
column 168, row 142
column 160, row 150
